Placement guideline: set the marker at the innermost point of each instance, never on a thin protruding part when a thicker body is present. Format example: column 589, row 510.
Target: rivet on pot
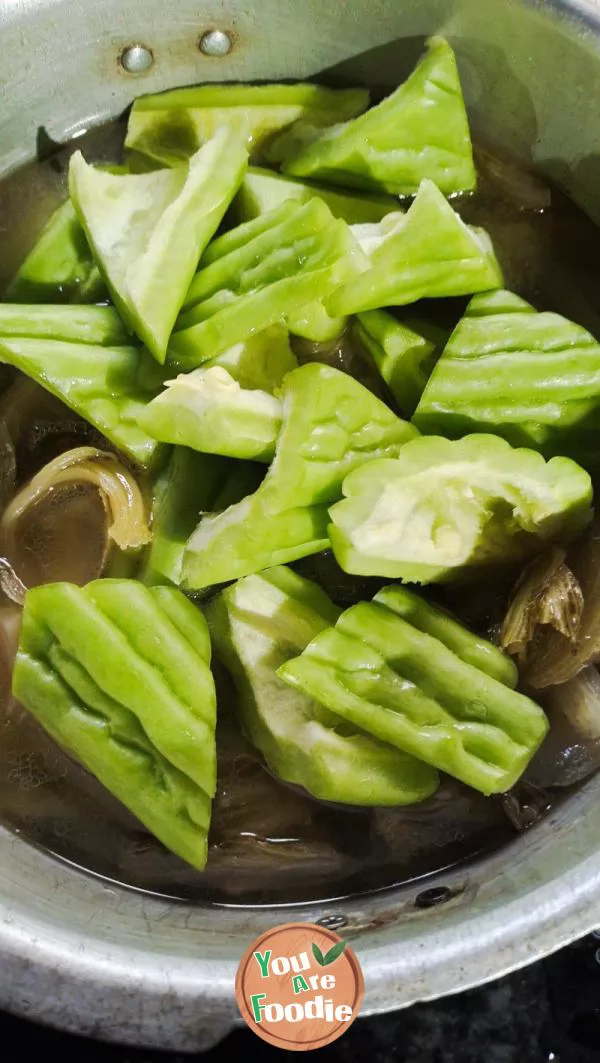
column 332, row 922
column 136, row 59
column 432, row 897
column 215, row 43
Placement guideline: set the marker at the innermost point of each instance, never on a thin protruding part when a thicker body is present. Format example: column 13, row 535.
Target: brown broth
column 269, row 843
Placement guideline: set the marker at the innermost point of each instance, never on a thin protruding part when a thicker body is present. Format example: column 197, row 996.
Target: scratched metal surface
column 545, row 1013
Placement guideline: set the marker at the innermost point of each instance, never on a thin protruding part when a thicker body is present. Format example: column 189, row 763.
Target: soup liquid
column 269, row 843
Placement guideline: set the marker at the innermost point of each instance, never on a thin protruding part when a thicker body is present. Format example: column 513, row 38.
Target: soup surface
column 269, row 843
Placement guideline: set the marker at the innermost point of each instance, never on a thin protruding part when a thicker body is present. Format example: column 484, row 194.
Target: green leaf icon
column 329, row 957
column 333, row 953
column 318, row 955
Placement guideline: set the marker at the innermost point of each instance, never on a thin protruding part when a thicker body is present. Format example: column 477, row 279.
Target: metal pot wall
column 103, row 961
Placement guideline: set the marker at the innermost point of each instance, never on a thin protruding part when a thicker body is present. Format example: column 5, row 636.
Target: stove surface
column 547, row 1013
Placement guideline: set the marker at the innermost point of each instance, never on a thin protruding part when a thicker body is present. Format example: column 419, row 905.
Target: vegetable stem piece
column 260, row 361
column 189, row 486
column 403, row 357
column 60, row 267
column 533, row 378
column 166, row 128
column 207, row 410
column 421, row 130
column 148, row 231
column 426, row 253
column 109, row 386
column 263, row 190
column 443, row 505
column 331, row 424
column 120, row 675
column 258, row 624
column 262, row 273
column 315, row 324
column 440, row 625
column 99, row 325
column 408, row 688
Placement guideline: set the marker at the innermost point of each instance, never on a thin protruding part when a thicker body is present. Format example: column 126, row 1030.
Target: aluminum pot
column 107, row 962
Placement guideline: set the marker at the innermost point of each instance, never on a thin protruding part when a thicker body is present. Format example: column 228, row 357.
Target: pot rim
column 83, row 955
column 475, row 938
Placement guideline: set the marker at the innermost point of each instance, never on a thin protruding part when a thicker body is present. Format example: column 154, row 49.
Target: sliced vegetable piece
column 182, row 490
column 403, row 357
column 78, row 324
column 109, row 386
column 371, row 235
column 425, row 253
column 247, row 538
column 312, row 321
column 554, row 656
column 60, row 267
column 168, row 127
column 259, row 361
column 531, row 377
column 257, row 625
column 189, row 485
column 184, row 616
column 288, row 265
column 233, row 240
column 421, row 130
column 148, row 231
column 315, row 324
column 441, row 625
column 120, row 675
column 331, row 424
column 443, row 505
column 120, row 493
column 407, row 688
column 178, row 649
column 500, row 301
column 263, row 190
column 546, row 594
column 207, row 410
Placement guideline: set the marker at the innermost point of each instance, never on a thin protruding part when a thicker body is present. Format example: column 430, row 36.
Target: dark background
column 547, row 1013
